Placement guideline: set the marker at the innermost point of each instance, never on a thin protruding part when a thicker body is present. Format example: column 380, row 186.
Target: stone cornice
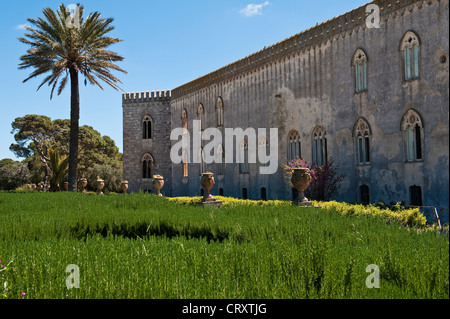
column 302, row 41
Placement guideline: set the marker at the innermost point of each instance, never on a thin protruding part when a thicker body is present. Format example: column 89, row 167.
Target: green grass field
column 141, row 246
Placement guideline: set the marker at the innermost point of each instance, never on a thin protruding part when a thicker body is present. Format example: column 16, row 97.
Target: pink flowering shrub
column 324, row 179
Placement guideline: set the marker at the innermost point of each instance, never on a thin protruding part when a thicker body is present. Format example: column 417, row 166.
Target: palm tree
column 65, row 45
column 58, row 165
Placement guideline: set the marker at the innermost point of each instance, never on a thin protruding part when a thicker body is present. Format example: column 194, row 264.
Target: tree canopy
column 37, row 136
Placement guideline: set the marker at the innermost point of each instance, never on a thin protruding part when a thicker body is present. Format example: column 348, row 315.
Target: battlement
column 304, row 40
column 142, row 97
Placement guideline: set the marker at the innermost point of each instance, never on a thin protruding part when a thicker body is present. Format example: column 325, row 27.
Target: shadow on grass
column 143, row 230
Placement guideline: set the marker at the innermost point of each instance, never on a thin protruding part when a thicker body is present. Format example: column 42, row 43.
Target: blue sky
column 166, row 44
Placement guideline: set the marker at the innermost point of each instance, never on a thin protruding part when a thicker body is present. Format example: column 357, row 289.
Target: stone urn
column 158, row 183
column 100, row 184
column 82, row 185
column 124, row 186
column 207, row 182
column 301, row 178
column 66, row 186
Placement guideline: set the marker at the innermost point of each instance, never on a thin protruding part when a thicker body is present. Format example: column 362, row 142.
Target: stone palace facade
column 376, row 100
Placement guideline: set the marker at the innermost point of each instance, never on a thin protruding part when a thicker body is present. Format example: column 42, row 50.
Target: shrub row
column 407, row 217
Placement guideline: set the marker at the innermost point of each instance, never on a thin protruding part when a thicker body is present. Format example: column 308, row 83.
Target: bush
column 111, row 176
column 407, row 217
column 324, row 179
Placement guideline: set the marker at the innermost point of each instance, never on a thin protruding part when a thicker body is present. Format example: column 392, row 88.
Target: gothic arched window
column 412, row 127
column 201, row 116
column 147, row 166
column 184, row 121
column 219, row 111
column 319, row 146
column 362, row 136
column 409, row 48
column 243, row 156
column 147, row 127
column 185, row 162
column 294, row 145
column 360, row 65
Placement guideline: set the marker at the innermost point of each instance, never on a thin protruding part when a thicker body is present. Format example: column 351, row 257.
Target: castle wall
column 135, row 107
column 301, row 86
column 308, row 80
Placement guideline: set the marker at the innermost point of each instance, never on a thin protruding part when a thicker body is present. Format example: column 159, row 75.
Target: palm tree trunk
column 74, row 129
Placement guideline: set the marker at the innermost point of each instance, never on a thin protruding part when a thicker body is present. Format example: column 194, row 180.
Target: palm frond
column 55, row 48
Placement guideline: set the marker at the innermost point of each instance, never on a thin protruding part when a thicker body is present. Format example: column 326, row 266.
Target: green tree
column 110, row 174
column 34, row 135
column 13, row 174
column 65, row 45
column 58, row 165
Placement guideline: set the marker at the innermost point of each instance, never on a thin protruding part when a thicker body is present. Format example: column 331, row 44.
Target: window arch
column 409, row 48
column 147, row 166
column 219, row 111
column 294, row 145
column 184, row 121
column 202, row 161
column 362, row 136
column 360, row 66
column 185, row 161
column 319, row 144
column 220, row 160
column 201, row 116
column 243, row 156
column 147, row 127
column 412, row 127
column 263, row 149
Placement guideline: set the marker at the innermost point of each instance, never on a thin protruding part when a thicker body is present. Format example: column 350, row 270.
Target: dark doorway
column 263, row 193
column 244, row 193
column 415, row 195
column 364, row 194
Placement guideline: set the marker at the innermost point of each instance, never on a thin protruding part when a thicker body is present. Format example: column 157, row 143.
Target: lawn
column 141, row 246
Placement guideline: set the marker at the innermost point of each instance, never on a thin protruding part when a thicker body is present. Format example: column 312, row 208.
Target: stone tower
column 146, row 139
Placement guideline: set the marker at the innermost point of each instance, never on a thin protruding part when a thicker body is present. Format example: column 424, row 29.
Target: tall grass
column 141, row 246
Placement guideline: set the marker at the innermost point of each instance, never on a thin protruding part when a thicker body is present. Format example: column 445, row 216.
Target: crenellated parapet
column 142, row 97
column 315, row 36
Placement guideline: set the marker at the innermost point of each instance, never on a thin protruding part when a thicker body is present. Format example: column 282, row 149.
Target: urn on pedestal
column 301, row 178
column 100, row 184
column 158, row 183
column 82, row 185
column 207, row 182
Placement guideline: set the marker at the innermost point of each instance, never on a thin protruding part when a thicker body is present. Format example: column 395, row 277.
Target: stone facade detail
column 309, row 81
column 137, row 107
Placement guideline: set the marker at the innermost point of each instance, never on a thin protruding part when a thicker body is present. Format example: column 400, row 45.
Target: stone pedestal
column 301, row 178
column 207, row 182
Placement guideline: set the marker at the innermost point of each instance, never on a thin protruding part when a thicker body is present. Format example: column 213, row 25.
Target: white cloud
column 22, row 26
column 253, row 9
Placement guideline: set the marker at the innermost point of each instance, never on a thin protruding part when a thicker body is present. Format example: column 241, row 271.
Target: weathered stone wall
column 135, row 107
column 308, row 80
